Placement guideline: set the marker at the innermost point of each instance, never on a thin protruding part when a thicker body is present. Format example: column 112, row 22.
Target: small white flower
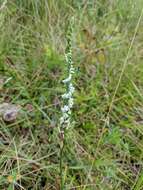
column 70, row 102
column 67, row 121
column 68, row 56
column 62, row 120
column 66, row 95
column 65, row 109
column 72, row 70
column 65, row 115
column 67, row 79
column 71, row 88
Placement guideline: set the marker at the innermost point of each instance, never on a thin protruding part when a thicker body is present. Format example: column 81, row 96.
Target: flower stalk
column 67, row 97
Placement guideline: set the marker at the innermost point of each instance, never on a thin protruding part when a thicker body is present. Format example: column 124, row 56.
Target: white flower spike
column 68, row 96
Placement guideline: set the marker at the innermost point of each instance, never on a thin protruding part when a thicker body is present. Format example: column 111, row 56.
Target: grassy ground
column 104, row 148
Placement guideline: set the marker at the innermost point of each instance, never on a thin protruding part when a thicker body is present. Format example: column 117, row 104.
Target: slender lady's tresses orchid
column 68, row 96
column 67, row 99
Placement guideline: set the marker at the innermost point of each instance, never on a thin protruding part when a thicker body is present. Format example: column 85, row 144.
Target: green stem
column 61, row 165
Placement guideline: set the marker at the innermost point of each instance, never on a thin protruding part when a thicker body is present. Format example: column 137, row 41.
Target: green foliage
column 104, row 147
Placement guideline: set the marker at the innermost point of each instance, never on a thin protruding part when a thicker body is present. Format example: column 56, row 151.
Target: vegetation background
column 104, row 148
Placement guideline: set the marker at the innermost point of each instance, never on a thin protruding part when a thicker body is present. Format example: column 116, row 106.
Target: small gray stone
column 9, row 112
